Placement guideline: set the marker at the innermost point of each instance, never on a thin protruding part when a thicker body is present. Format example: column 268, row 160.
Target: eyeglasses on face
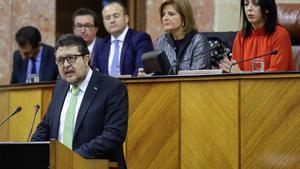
column 85, row 26
column 70, row 59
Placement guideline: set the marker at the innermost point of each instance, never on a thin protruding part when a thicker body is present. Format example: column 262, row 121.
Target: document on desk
column 200, row 72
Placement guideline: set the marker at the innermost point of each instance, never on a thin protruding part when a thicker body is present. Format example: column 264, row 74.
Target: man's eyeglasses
column 70, row 59
column 85, row 26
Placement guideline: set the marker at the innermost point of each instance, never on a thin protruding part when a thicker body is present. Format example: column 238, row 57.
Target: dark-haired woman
column 260, row 34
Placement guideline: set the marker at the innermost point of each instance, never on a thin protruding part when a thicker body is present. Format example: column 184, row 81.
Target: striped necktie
column 68, row 125
column 115, row 63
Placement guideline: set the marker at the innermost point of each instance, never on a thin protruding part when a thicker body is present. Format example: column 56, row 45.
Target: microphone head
column 37, row 106
column 273, row 52
column 19, row 108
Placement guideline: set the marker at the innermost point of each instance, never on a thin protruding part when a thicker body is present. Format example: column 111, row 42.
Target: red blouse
column 259, row 43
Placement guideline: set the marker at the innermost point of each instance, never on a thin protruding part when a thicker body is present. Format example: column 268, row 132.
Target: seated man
column 32, row 57
column 85, row 25
column 89, row 111
column 121, row 52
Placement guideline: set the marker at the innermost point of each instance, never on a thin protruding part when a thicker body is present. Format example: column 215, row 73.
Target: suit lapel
column 60, row 99
column 44, row 61
column 24, row 69
column 105, row 57
column 92, row 57
column 88, row 98
column 124, row 49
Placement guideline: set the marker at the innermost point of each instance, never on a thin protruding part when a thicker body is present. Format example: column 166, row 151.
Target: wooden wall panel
column 270, row 124
column 19, row 125
column 46, row 98
column 209, row 125
column 152, row 139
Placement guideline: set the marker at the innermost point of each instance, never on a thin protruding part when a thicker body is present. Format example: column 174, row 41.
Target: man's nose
column 112, row 20
column 82, row 29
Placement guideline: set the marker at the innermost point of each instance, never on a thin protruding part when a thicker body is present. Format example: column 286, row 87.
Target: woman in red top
column 260, row 35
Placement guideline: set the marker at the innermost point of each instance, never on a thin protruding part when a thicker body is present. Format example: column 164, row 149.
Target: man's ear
column 87, row 59
column 126, row 19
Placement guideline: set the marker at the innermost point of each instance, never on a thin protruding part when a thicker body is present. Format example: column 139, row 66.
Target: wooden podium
column 63, row 158
column 39, row 155
column 242, row 121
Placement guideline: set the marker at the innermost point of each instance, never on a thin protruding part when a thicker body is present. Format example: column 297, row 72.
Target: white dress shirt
column 82, row 88
column 91, row 46
column 121, row 39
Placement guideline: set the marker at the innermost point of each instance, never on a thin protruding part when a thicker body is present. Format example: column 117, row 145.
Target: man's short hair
column 86, row 11
column 73, row 40
column 30, row 35
column 117, row 2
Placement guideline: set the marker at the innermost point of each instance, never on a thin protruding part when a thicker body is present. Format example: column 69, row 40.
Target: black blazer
column 48, row 68
column 102, row 119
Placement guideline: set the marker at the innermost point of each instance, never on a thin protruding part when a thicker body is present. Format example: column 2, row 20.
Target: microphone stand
column 36, row 109
column 18, row 109
column 274, row 52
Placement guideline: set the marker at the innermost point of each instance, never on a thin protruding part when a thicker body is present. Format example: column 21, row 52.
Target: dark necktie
column 33, row 68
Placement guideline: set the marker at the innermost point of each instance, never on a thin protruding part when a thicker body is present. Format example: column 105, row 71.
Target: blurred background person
column 32, row 58
column 260, row 34
column 183, row 45
column 86, row 24
column 121, row 52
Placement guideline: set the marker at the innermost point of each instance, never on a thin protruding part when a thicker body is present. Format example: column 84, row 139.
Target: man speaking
column 89, row 111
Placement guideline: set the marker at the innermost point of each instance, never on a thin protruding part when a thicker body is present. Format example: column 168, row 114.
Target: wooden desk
column 213, row 122
column 26, row 96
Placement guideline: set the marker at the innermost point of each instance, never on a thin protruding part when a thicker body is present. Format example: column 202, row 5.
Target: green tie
column 68, row 132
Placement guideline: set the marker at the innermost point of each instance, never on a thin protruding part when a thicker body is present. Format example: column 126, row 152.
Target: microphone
column 36, row 109
column 273, row 52
column 18, row 109
column 214, row 49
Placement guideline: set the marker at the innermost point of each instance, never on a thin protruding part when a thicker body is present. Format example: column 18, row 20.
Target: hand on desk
column 225, row 64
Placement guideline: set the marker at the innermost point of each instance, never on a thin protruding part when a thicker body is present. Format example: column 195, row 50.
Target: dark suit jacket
column 102, row 119
column 95, row 52
column 135, row 45
column 48, row 68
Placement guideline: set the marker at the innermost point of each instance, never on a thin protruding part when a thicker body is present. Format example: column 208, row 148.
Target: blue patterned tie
column 115, row 63
column 33, row 68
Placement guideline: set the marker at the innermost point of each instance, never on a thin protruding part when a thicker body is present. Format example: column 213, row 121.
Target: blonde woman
column 185, row 48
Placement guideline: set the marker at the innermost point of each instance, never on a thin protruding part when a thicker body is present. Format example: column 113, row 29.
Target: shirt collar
column 83, row 85
column 121, row 37
column 39, row 55
column 91, row 46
